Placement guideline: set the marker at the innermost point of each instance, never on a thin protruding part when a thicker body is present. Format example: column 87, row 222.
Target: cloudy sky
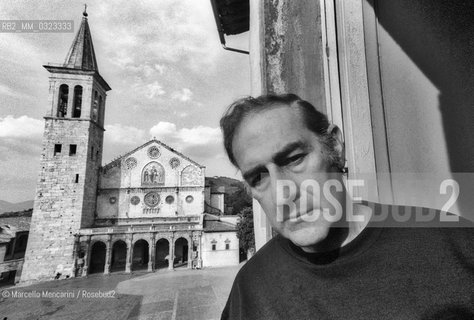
column 170, row 79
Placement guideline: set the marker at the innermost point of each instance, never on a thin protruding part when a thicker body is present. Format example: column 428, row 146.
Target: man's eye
column 294, row 160
column 257, row 180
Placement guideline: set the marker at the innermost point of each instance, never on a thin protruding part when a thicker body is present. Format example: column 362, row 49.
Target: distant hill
column 6, row 206
column 236, row 196
column 24, row 213
column 224, row 184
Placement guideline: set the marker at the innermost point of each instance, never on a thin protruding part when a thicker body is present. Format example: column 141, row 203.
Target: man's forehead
column 276, row 116
column 263, row 134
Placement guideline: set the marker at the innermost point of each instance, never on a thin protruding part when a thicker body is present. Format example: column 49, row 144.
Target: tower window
column 77, row 178
column 76, row 112
column 57, row 149
column 62, row 101
column 95, row 106
column 100, row 110
column 92, row 153
column 72, row 149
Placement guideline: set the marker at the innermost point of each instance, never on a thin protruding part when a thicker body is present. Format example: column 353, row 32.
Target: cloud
column 183, row 95
column 120, row 134
column 157, row 32
column 144, row 70
column 200, row 143
column 4, row 90
column 20, row 150
column 186, row 137
column 150, row 91
column 21, row 127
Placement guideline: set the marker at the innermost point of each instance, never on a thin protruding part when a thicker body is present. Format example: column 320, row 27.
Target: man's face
column 273, row 145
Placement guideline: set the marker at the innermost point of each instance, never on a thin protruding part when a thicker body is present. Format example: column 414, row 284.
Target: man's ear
column 336, row 133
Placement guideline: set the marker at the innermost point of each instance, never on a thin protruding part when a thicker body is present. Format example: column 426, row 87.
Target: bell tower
column 66, row 191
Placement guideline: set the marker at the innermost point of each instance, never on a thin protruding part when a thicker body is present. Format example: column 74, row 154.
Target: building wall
column 286, row 56
column 220, row 257
column 426, row 94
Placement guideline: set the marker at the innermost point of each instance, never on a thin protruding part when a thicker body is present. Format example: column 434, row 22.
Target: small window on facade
column 57, row 149
column 72, row 149
column 97, row 154
column 227, row 246
column 92, row 153
column 189, row 199
column 77, row 106
column 213, row 247
column 77, row 178
column 62, row 101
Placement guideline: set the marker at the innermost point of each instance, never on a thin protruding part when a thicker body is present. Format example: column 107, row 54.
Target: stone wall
column 65, row 195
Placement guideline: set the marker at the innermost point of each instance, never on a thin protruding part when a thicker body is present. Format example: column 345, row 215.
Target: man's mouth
column 307, row 216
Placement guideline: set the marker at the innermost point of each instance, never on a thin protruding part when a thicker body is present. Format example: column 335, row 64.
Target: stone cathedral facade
column 143, row 211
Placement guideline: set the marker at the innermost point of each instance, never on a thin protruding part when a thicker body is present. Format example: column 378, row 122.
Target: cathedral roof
column 154, row 140
column 81, row 55
column 16, row 224
column 213, row 223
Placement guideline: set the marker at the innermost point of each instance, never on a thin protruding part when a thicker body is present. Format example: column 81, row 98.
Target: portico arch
column 181, row 249
column 140, row 255
column 119, row 256
column 162, row 252
column 97, row 257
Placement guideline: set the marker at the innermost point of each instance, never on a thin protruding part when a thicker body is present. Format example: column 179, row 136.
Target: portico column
column 151, row 255
column 108, row 254
column 200, row 250
column 128, row 262
column 171, row 256
column 85, row 270
column 70, row 101
column 76, row 253
column 190, row 251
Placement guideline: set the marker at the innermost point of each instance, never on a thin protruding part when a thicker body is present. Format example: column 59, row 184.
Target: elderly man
column 323, row 265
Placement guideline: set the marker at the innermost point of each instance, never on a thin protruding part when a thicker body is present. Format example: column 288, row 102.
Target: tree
column 245, row 231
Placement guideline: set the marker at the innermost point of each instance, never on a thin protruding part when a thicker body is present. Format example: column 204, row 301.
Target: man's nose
column 282, row 184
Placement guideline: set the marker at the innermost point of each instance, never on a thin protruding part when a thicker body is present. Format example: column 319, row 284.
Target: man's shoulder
column 408, row 216
column 269, row 256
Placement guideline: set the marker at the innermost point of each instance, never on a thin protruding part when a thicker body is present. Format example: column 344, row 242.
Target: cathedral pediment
column 152, row 164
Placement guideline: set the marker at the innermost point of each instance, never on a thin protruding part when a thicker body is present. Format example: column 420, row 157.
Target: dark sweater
column 385, row 273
